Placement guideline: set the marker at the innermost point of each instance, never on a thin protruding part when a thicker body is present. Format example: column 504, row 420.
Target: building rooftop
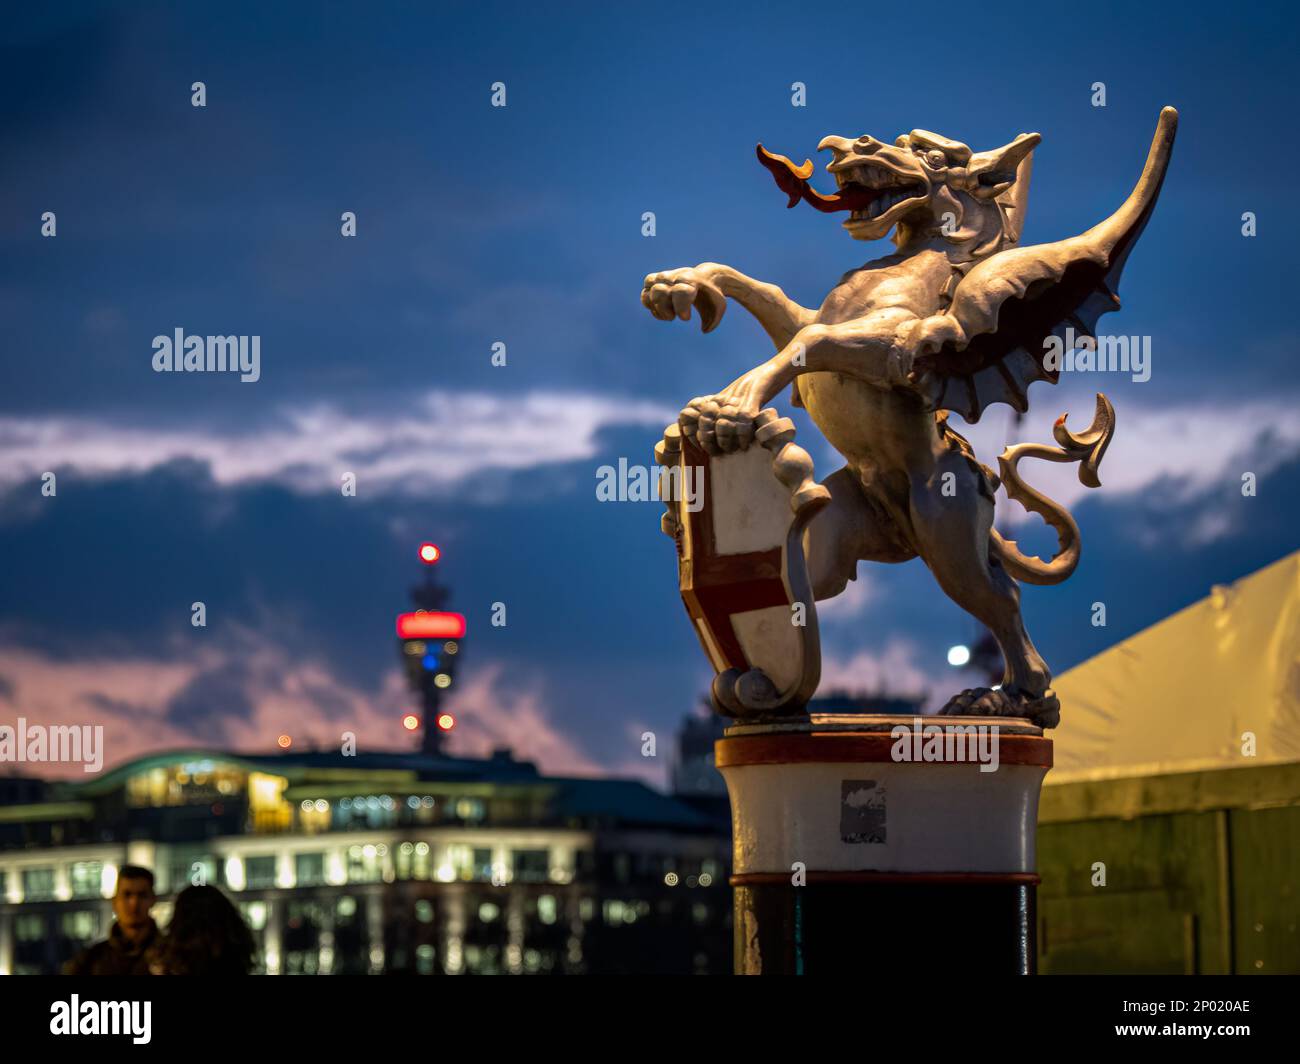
column 503, row 790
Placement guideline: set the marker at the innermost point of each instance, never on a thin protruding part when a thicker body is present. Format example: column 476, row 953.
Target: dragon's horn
column 994, row 172
column 1015, row 200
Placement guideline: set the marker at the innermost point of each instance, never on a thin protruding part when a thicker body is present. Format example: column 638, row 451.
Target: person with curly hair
column 206, row 936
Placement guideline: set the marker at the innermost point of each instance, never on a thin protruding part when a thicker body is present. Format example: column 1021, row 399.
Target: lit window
column 266, row 803
column 259, row 873
column 81, row 925
column 254, row 913
column 38, row 884
column 87, row 879
column 29, row 927
column 531, row 866
column 470, row 808
column 309, row 869
column 363, row 865
column 189, row 783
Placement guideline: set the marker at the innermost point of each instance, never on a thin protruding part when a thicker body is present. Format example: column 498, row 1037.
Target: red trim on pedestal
column 802, row 747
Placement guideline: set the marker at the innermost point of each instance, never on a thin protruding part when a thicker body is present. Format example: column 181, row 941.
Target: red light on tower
column 446, row 721
column 430, row 624
column 429, row 553
column 410, row 722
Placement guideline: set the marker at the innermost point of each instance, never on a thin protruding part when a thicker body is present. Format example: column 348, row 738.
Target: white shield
column 738, row 519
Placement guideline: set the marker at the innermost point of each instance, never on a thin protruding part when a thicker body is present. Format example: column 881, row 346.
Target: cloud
column 1185, row 450
column 1187, row 446
column 892, row 671
column 437, row 445
column 471, row 444
column 243, row 696
column 851, row 602
column 128, row 698
column 490, row 716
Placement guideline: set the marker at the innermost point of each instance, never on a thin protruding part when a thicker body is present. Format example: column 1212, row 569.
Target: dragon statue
column 958, row 317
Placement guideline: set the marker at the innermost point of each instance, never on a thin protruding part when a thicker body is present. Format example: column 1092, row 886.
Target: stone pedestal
column 876, row 845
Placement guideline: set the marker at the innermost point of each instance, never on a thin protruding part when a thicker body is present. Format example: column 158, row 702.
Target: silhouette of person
column 206, row 936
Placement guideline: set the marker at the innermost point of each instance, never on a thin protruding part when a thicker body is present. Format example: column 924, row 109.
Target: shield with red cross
column 738, row 519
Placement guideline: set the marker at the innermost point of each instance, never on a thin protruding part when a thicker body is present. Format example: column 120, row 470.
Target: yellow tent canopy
column 1181, row 695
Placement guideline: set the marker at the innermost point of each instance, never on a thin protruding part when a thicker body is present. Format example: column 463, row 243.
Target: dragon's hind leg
column 853, row 527
column 952, row 535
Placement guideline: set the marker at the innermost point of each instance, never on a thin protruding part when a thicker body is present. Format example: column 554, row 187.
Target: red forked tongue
column 793, row 181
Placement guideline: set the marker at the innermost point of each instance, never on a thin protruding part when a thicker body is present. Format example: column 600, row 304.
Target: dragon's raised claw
column 671, row 294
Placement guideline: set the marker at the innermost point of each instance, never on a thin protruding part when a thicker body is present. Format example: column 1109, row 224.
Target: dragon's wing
column 1009, row 304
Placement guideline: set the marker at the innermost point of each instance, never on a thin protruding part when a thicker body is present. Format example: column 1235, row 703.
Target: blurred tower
column 430, row 641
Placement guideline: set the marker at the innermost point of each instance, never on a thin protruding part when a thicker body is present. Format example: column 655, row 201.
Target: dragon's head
column 921, row 183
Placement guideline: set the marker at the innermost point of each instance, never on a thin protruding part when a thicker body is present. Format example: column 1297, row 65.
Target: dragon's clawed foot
column 1043, row 710
column 671, row 294
column 719, row 423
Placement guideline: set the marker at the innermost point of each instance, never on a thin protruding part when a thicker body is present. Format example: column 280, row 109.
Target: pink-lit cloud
column 285, row 695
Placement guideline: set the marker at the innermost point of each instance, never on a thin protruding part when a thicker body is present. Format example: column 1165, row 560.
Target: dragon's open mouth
column 873, row 190
column 867, row 191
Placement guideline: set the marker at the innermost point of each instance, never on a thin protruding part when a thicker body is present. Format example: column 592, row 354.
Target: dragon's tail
column 1086, row 448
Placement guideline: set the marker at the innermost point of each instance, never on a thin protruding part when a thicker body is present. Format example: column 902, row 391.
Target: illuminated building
column 378, row 862
column 412, row 862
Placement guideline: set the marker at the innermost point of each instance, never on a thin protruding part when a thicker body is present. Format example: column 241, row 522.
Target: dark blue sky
column 523, row 225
